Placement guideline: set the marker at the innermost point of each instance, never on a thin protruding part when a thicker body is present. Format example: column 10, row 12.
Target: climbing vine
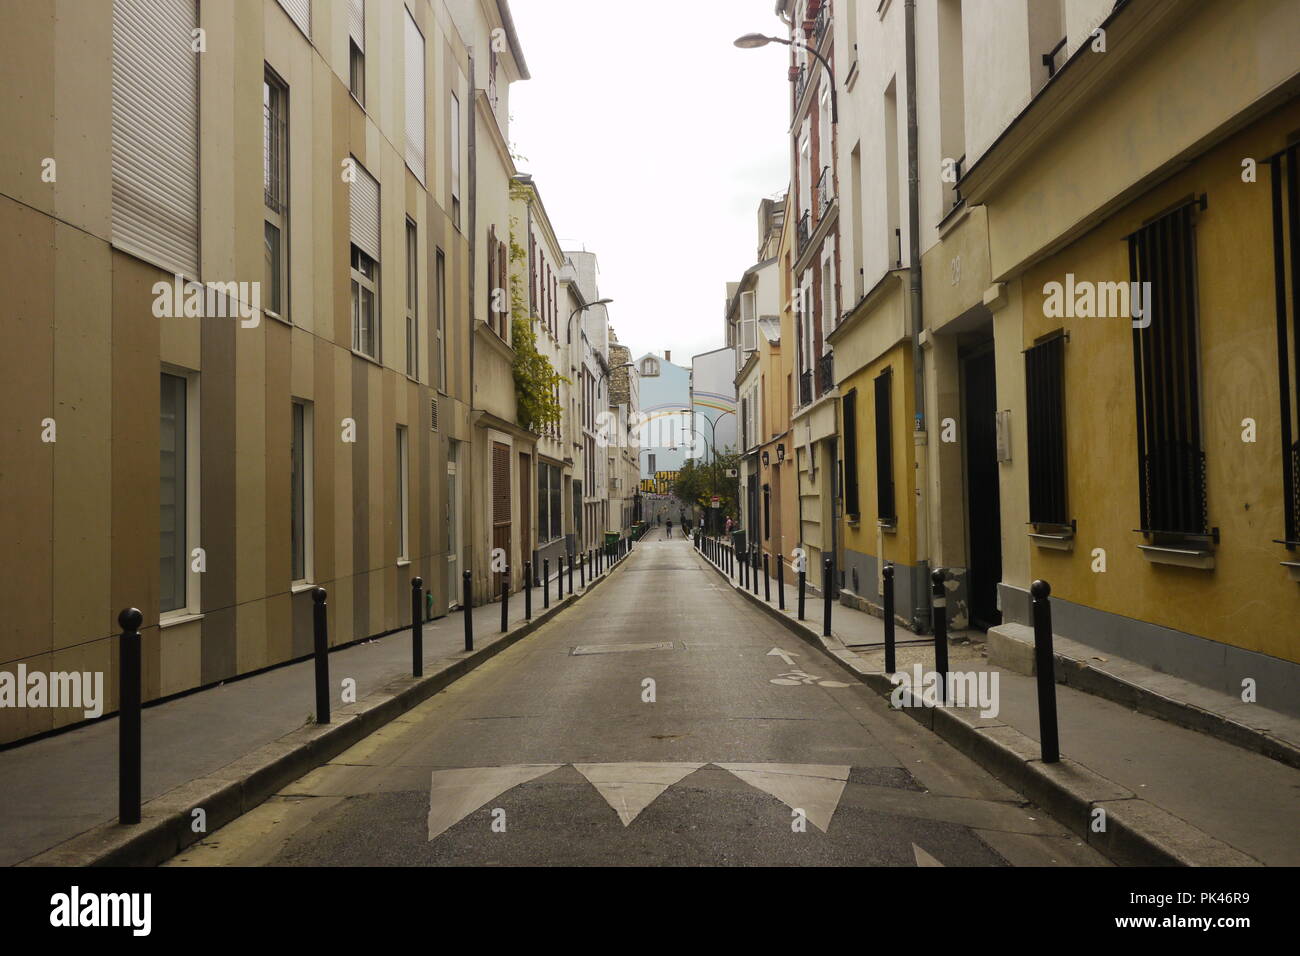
column 536, row 380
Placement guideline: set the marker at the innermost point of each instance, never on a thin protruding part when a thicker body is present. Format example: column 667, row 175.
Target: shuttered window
column 364, row 200
column 1045, row 420
column 500, row 483
column 886, row 509
column 850, row 407
column 1286, row 295
column 1166, row 363
column 414, row 98
column 357, row 23
column 155, row 160
column 748, row 321
column 300, row 13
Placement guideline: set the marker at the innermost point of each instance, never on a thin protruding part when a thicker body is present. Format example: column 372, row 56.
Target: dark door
column 983, row 508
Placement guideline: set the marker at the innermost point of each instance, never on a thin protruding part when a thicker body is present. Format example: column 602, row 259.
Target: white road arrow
column 923, row 858
column 777, row 652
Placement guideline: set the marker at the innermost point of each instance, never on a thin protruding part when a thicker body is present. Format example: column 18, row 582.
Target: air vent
column 433, row 414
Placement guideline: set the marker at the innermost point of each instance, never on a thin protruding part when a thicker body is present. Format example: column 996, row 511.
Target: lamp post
column 568, row 326
column 752, row 41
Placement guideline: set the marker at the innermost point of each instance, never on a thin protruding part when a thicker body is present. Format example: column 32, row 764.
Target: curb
column 165, row 826
column 1136, row 832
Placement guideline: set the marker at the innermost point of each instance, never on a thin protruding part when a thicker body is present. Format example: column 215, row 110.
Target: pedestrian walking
column 669, row 535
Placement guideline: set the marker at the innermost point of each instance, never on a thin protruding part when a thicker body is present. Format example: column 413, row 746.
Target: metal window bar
column 886, row 508
column 1285, row 186
column 275, row 129
column 826, row 373
column 1166, row 356
column 1050, row 58
column 804, row 230
column 822, row 21
column 824, row 196
column 805, row 387
column 1045, row 424
column 850, row 407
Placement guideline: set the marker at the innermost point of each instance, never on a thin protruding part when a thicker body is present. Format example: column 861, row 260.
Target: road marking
column 631, row 787
column 788, row 658
column 455, row 794
column 582, row 649
column 797, row 678
column 813, row 788
column 923, row 858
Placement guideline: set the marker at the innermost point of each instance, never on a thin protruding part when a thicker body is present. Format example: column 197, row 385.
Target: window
column 356, row 50
column 886, row 510
column 414, row 98
column 173, row 497
column 549, row 516
column 649, row 367
column 1166, row 360
column 749, row 321
column 364, row 201
column 849, row 405
column 829, row 311
column 403, row 496
column 1286, row 224
column 275, row 183
column 300, row 493
column 650, row 466
column 1045, row 425
column 412, row 298
column 155, row 191
column 440, row 303
column 300, row 13
column 364, row 313
column 455, row 160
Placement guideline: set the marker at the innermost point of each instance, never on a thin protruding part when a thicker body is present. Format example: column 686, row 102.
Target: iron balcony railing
column 824, row 194
column 822, row 21
column 1054, row 59
column 959, row 169
column 804, row 230
column 805, row 388
column 825, row 373
column 801, row 84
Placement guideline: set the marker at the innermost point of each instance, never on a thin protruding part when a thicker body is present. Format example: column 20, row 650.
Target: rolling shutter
column 300, row 13
column 357, row 23
column 155, row 133
column 414, row 98
column 364, row 199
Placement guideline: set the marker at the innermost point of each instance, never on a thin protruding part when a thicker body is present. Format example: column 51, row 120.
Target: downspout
column 473, row 315
column 920, row 575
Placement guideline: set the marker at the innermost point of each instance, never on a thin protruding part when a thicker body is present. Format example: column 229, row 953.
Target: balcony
column 801, row 84
column 805, row 388
column 825, row 373
column 804, row 230
column 824, row 194
column 821, row 23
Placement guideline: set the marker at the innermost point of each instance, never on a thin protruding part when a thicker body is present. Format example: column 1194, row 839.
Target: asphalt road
column 651, row 724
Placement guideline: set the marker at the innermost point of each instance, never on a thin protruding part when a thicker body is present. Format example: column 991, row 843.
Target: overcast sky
column 652, row 149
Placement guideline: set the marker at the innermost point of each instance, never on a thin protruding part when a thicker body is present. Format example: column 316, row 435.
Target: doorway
column 983, row 504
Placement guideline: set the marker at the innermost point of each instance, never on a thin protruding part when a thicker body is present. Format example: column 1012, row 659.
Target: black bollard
column 940, row 632
column 570, row 575
column 780, row 582
column 505, row 600
column 826, row 597
column 546, row 582
column 468, row 600
column 888, row 572
column 528, row 590
column 128, row 717
column 321, row 645
column 1045, row 670
column 753, row 569
column 767, row 581
column 417, row 628
column 582, row 571
column 803, row 583
column 559, row 578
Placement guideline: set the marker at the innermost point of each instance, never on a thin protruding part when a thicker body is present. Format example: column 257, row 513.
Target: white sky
column 652, row 148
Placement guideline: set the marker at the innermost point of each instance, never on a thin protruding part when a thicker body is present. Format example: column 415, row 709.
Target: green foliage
column 537, row 400
column 697, row 483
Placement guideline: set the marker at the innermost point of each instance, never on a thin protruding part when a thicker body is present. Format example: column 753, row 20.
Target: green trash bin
column 611, row 542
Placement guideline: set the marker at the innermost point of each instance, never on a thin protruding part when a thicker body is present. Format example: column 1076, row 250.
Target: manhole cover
column 620, row 648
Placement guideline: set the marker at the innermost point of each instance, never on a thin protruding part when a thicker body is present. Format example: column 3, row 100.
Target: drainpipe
column 473, row 317
column 921, row 574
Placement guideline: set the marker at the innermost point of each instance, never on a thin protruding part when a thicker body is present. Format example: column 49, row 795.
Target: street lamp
column 568, row 326
column 752, row 41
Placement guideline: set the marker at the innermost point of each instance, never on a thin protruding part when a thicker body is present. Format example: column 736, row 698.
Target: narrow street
column 549, row 754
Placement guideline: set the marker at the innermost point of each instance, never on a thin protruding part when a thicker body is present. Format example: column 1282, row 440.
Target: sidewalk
column 1154, row 776
column 61, row 786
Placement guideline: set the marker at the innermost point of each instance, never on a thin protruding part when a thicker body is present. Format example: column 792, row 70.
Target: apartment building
column 814, row 205
column 589, row 369
column 1083, row 304
column 231, row 292
column 623, row 429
